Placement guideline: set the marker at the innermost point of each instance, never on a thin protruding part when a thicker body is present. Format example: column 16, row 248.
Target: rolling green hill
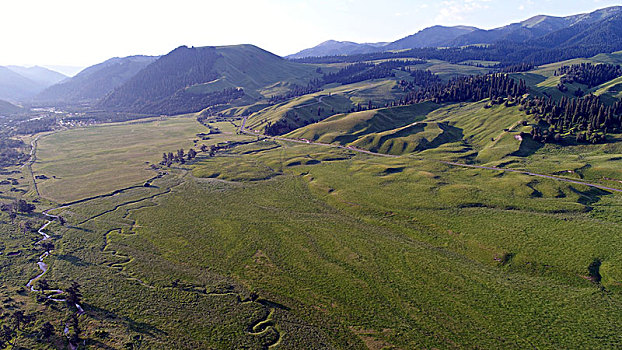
column 346, row 128
column 543, row 79
column 333, row 100
column 468, row 129
column 415, row 137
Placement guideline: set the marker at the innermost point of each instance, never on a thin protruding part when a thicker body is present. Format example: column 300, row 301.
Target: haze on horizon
column 79, row 33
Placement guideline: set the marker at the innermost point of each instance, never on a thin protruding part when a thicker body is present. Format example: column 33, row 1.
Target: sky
column 81, row 33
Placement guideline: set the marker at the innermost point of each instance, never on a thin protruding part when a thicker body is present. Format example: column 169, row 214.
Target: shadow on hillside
column 138, row 327
column 73, row 260
column 589, row 197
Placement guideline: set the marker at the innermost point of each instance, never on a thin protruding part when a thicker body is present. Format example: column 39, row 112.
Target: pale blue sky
column 85, row 32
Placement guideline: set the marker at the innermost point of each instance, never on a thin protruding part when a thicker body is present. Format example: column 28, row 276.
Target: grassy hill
column 467, row 130
column 191, row 79
column 411, row 138
column 342, row 251
column 255, row 70
column 543, row 80
column 345, row 128
column 334, row 99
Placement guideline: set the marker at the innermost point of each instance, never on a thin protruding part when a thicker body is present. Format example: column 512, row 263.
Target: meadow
column 360, row 250
column 81, row 163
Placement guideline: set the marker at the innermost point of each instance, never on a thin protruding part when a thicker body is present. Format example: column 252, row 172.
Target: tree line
column 420, row 79
column 588, row 119
column 464, row 89
column 536, row 52
column 179, row 69
column 588, row 74
column 11, row 151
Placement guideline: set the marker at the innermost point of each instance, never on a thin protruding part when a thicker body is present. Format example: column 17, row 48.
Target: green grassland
column 82, row 163
column 275, row 244
column 359, row 250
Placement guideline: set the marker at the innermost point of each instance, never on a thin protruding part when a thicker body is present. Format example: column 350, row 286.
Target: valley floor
column 276, row 244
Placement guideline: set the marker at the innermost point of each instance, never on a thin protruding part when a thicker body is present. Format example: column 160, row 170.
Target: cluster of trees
column 345, row 73
column 180, row 156
column 294, row 91
column 588, row 119
column 378, row 71
column 360, row 71
column 280, row 127
column 588, row 74
column 21, row 324
column 517, row 68
column 16, row 207
column 463, row 89
column 421, row 79
column 11, row 151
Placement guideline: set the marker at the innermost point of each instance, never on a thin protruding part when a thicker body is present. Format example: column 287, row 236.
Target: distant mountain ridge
column 40, row 75
column 95, row 82
column 21, row 83
column 439, row 36
column 333, row 47
column 436, row 36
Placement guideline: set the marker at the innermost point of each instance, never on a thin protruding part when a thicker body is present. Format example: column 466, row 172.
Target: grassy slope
column 334, row 100
column 360, row 251
column 542, row 79
column 463, row 128
column 346, row 243
column 254, row 70
column 345, row 128
column 408, row 139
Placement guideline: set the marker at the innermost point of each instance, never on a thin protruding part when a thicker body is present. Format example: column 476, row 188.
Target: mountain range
column 535, row 28
column 95, row 82
column 189, row 79
column 21, row 83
